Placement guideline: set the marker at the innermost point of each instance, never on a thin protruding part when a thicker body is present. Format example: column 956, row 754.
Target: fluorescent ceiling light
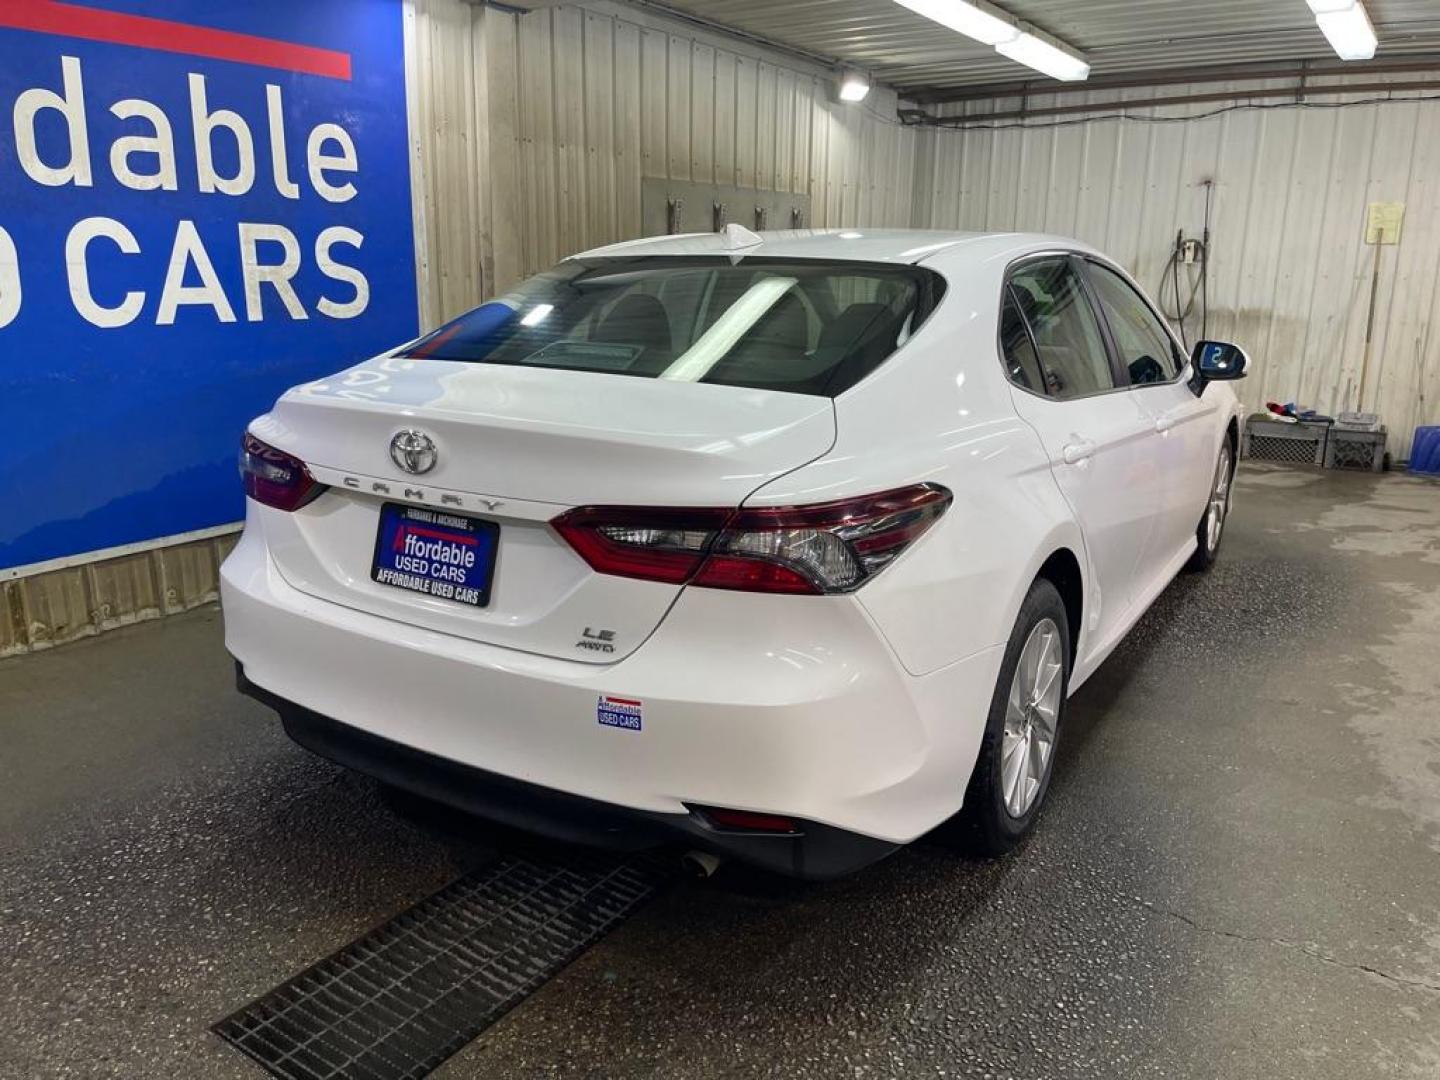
column 991, row 26
column 980, row 21
column 1320, row 7
column 1035, row 52
column 1347, row 29
column 854, row 87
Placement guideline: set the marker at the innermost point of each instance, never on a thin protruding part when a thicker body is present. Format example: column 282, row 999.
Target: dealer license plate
column 435, row 553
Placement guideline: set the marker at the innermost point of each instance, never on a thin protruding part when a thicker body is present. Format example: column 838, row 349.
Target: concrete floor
column 1238, row 875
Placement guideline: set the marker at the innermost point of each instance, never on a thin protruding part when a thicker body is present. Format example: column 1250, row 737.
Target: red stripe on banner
column 436, row 534
column 621, row 701
column 116, row 28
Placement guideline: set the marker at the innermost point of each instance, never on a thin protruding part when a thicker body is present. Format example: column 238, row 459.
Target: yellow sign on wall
column 1382, row 222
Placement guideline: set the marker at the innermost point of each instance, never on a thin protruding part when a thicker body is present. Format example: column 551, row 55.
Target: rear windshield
column 803, row 326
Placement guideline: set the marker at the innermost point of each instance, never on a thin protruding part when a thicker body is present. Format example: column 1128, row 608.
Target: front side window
column 1146, row 348
column 1068, row 343
column 802, row 326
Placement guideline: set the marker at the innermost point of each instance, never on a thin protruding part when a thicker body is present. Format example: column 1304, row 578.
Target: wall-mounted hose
column 1198, row 277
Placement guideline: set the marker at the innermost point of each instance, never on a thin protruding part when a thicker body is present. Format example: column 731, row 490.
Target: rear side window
column 803, row 326
column 1146, row 348
column 1068, row 344
column 1021, row 363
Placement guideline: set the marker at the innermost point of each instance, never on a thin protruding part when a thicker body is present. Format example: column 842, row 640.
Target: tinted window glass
column 1021, row 363
column 847, row 289
column 1145, row 347
column 809, row 326
column 1072, row 355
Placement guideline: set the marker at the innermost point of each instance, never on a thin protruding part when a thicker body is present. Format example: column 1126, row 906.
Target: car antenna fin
column 737, row 236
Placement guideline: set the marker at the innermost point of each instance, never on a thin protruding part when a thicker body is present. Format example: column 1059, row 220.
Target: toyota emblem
column 413, row 451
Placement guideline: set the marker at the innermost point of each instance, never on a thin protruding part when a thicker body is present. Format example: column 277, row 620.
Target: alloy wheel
column 1031, row 715
column 1219, row 501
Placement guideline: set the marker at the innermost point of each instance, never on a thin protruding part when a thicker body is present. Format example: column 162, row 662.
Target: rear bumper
column 793, row 706
column 813, row 851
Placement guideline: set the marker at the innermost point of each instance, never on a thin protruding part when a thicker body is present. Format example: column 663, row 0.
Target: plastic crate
column 1351, row 449
column 1275, row 440
column 1359, row 421
column 1425, row 451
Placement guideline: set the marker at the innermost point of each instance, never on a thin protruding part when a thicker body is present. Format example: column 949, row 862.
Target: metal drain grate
column 406, row 996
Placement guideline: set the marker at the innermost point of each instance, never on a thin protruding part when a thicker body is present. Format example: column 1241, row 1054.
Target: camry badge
column 413, row 451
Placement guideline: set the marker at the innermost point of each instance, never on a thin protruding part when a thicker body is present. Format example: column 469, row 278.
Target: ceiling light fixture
column 986, row 24
column 854, row 87
column 1346, row 25
column 1019, row 41
column 1048, row 57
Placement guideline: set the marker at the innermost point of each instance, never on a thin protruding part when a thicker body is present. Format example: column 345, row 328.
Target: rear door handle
column 1164, row 423
column 1077, row 451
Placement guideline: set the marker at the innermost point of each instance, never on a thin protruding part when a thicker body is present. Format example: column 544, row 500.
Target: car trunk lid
column 517, row 447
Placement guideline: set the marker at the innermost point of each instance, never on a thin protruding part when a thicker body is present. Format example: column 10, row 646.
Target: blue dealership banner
column 201, row 204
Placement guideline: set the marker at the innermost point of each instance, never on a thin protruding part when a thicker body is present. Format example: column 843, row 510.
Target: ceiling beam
column 1306, row 69
column 1300, row 93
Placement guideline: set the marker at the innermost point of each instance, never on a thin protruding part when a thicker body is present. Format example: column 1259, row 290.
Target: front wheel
column 1211, row 529
column 1022, row 730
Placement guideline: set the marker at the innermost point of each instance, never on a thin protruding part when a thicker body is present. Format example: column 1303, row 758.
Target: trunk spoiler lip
column 340, row 390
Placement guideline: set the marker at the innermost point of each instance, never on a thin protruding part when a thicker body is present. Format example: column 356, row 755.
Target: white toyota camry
column 787, row 548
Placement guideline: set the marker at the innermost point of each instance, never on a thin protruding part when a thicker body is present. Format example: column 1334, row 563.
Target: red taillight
column 832, row 547
column 274, row 477
column 752, row 575
column 652, row 544
column 746, row 820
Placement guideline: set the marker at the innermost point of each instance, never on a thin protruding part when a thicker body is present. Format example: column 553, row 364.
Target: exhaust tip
column 699, row 864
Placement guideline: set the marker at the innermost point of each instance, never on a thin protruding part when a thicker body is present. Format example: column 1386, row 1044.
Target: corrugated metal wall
column 535, row 131
column 53, row 608
column 1290, row 272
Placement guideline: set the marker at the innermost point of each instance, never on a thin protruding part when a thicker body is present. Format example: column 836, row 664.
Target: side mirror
column 1216, row 360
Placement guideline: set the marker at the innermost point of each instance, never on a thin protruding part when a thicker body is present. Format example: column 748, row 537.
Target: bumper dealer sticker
column 618, row 712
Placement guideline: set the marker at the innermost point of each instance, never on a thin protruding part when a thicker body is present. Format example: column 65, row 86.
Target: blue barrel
column 1425, row 451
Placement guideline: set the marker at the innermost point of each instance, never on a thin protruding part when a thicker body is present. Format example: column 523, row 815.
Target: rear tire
column 1027, row 711
column 1211, row 530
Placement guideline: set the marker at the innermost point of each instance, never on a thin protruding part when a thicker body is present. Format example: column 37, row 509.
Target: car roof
column 932, row 246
